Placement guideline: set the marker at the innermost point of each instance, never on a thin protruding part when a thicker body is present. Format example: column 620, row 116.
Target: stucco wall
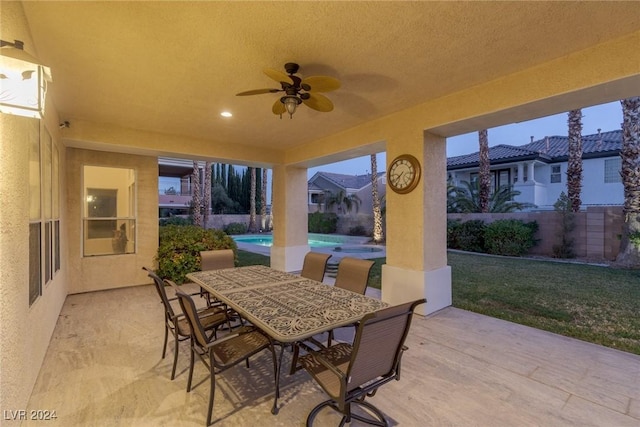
column 88, row 273
column 26, row 330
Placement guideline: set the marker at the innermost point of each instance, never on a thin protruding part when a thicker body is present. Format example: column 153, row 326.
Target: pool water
column 268, row 241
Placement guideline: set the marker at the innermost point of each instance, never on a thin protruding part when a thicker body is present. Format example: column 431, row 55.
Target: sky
column 605, row 116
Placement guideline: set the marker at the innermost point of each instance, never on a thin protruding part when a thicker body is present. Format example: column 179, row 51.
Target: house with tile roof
column 322, row 184
column 539, row 169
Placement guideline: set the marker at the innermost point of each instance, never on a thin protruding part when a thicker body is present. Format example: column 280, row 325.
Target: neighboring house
column 323, row 184
column 539, row 169
column 175, row 186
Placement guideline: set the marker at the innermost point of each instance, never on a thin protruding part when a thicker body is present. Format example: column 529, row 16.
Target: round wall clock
column 403, row 174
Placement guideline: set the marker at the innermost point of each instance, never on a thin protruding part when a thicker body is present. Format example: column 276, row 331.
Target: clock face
column 403, row 174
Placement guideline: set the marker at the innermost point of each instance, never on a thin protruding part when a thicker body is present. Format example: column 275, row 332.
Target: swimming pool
column 336, row 244
column 315, row 241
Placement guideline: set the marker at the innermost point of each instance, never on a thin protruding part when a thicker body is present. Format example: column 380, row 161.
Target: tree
column 263, row 200
column 197, row 200
column 206, row 191
column 466, row 199
column 220, row 201
column 378, row 236
column 629, row 255
column 252, row 202
column 341, row 199
column 484, row 174
column 574, row 167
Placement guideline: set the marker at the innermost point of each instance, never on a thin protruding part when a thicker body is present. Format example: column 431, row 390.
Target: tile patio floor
column 103, row 368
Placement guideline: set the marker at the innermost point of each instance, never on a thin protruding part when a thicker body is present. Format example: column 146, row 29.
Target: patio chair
column 350, row 373
column 314, row 266
column 216, row 259
column 219, row 355
column 212, row 318
column 353, row 275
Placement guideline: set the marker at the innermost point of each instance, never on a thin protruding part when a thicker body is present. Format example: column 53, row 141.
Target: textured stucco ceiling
column 172, row 67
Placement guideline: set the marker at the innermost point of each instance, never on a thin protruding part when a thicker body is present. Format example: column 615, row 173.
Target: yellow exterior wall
column 25, row 330
column 89, row 273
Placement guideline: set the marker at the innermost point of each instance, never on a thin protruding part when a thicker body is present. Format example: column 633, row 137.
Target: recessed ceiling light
column 226, row 114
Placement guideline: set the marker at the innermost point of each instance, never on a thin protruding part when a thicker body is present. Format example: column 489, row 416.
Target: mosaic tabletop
column 287, row 307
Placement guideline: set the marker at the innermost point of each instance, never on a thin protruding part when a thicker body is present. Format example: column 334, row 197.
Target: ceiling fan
column 297, row 90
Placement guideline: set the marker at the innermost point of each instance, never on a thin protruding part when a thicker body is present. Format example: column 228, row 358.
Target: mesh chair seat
column 338, row 355
column 210, row 317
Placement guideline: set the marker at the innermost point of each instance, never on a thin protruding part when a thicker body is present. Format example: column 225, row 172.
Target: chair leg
column 191, row 363
column 314, row 411
column 381, row 421
column 175, row 353
column 212, row 390
column 166, row 336
column 348, row 415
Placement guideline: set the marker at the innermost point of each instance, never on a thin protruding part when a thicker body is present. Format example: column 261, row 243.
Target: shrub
column 235, row 228
column 180, row 246
column 453, row 227
column 358, row 230
column 176, row 220
column 470, row 236
column 510, row 237
column 324, row 223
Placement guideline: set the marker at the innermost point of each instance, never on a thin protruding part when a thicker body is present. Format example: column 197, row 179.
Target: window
column 556, row 174
column 109, row 211
column 612, row 168
column 317, row 198
column 35, row 224
column 44, row 210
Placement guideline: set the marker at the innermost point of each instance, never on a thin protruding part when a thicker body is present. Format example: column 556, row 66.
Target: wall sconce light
column 23, row 81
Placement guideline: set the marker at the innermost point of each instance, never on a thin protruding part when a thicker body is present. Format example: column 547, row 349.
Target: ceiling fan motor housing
column 291, row 67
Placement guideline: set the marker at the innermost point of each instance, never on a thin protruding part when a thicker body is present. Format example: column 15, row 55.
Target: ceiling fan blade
column 278, row 108
column 321, row 83
column 278, row 76
column 318, row 102
column 257, row 92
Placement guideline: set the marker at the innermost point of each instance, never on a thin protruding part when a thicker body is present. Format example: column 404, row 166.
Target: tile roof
column 548, row 149
column 345, row 181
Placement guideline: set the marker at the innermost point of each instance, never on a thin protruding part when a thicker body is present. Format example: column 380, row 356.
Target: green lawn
column 595, row 304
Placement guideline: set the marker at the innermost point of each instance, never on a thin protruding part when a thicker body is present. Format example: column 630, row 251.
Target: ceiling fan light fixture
column 291, row 104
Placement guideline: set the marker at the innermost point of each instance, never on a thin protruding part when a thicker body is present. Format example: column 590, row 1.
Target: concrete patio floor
column 103, row 368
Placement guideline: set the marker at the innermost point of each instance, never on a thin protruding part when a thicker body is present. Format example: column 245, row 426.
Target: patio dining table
column 286, row 307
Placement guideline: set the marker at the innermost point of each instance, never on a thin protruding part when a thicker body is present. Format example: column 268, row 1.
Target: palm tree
column 341, row 199
column 484, row 173
column 466, row 199
column 574, row 167
column 629, row 255
column 263, row 200
column 196, row 200
column 252, row 202
column 378, row 236
column 206, row 202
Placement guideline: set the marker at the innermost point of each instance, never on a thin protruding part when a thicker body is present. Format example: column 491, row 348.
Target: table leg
column 275, row 408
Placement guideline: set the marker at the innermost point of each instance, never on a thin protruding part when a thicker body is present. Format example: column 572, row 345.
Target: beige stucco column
column 417, row 227
column 290, row 242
